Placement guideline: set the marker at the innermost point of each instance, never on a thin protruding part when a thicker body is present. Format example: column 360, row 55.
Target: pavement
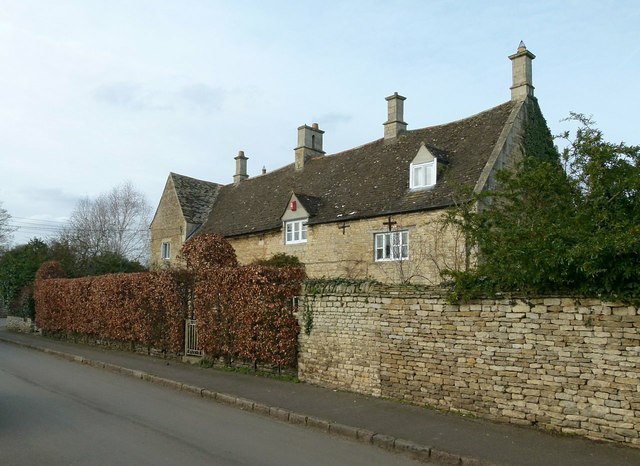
column 425, row 434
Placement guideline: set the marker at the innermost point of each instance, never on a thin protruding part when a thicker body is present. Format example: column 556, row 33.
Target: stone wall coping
column 372, row 288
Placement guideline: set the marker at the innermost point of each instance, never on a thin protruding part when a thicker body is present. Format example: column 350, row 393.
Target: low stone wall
column 565, row 364
column 20, row 324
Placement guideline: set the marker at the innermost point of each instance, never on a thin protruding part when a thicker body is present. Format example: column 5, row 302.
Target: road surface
column 56, row 412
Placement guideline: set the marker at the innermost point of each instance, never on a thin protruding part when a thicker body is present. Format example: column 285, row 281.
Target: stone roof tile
column 196, row 197
column 366, row 181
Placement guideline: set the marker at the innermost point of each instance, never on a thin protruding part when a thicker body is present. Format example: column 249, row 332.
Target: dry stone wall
column 565, row 364
column 20, row 324
column 339, row 342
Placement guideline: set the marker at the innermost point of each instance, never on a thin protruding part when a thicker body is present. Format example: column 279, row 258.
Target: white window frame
column 295, row 231
column 165, row 250
column 391, row 246
column 423, row 175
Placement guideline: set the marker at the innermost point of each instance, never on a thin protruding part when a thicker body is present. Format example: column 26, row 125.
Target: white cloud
column 196, row 97
column 97, row 92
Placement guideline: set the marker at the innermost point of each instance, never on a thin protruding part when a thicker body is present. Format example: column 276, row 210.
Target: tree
column 49, row 270
column 76, row 263
column 564, row 224
column 208, row 251
column 115, row 223
column 111, row 262
column 5, row 228
column 280, row 260
column 18, row 268
column 607, row 176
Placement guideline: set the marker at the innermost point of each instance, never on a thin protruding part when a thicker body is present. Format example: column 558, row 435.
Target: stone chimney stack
column 241, row 168
column 395, row 115
column 521, row 71
column 309, row 144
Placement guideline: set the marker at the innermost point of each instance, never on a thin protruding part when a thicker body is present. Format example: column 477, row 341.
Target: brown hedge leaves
column 50, row 269
column 243, row 313
column 207, row 252
column 246, row 313
column 142, row 308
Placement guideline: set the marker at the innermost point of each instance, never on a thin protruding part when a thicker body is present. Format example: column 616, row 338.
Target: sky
column 95, row 93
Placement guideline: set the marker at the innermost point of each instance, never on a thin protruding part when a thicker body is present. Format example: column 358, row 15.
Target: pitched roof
column 310, row 203
column 195, row 197
column 366, row 181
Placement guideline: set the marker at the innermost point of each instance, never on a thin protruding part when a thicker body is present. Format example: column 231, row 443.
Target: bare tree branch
column 115, row 222
column 6, row 229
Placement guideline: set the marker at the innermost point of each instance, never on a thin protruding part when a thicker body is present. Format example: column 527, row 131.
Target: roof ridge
column 351, row 149
column 379, row 140
column 194, row 179
column 361, row 146
column 367, row 179
column 459, row 120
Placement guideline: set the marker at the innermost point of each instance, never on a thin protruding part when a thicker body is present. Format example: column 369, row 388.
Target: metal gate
column 191, row 339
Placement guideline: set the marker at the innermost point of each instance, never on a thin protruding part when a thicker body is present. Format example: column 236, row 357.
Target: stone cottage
column 372, row 211
column 184, row 207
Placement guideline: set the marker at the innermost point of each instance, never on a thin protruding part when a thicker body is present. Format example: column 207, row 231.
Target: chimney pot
column 309, row 144
column 521, row 73
column 241, row 168
column 395, row 116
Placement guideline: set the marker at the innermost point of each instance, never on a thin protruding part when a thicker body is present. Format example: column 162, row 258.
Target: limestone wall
column 331, row 253
column 168, row 225
column 557, row 363
column 20, row 324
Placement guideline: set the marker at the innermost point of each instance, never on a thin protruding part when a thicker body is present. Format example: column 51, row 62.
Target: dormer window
column 423, row 169
column 299, row 210
column 295, row 231
column 423, row 175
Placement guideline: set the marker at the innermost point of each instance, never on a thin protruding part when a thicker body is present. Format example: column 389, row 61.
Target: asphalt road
column 55, row 412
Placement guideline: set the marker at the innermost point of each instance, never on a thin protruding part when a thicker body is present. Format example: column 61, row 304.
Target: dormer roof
column 440, row 155
column 310, row 203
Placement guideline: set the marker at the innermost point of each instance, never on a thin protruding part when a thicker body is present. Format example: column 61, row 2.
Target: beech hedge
column 243, row 313
column 50, row 269
column 146, row 308
column 208, row 251
column 246, row 313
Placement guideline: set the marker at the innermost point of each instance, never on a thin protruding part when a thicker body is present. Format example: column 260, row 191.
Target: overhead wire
column 55, row 227
column 99, row 230
column 36, row 225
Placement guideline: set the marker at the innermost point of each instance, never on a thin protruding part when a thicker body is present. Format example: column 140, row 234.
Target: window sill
column 421, row 188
